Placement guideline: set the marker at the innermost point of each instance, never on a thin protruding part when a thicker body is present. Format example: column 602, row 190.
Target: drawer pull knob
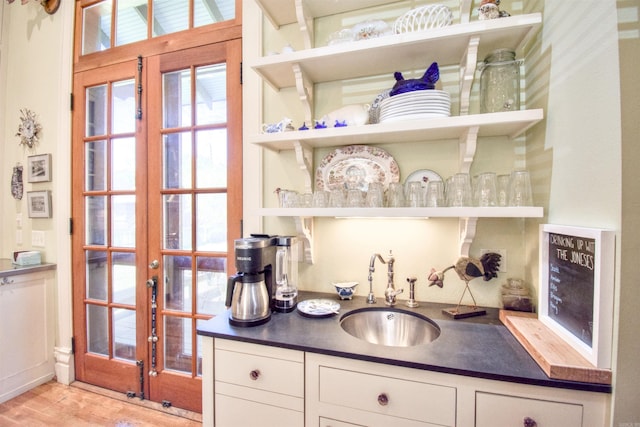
column 254, row 374
column 383, row 400
column 529, row 422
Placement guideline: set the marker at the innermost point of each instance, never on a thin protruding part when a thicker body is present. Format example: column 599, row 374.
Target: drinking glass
column 520, row 189
column 503, row 189
column 375, row 196
column 459, row 190
column 395, row 195
column 354, row 199
column 306, row 200
column 486, row 190
column 415, row 195
column 320, row 199
column 336, row 198
column 435, row 194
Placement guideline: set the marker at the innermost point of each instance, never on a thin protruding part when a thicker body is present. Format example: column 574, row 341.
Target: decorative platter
column 318, row 308
column 422, row 175
column 355, row 167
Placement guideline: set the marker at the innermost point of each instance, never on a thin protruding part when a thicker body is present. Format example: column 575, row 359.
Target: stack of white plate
column 419, row 104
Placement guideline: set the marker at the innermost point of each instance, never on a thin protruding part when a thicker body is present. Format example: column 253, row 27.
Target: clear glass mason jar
column 500, row 82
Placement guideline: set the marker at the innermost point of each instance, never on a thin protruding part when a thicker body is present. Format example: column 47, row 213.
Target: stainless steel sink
column 390, row 327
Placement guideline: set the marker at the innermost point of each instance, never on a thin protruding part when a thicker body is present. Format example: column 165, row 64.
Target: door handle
column 154, row 264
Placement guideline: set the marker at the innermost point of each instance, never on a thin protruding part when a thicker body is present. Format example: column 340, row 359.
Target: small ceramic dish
column 345, row 290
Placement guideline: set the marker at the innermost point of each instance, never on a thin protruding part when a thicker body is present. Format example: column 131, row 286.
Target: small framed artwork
column 39, row 203
column 576, row 288
column 39, row 168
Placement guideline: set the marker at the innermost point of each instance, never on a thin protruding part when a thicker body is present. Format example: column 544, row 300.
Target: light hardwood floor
column 79, row 405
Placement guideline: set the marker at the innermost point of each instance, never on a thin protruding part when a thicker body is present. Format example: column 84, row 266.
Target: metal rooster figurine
column 468, row 269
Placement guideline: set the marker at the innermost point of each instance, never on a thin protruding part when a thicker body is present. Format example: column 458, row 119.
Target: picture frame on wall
column 39, row 168
column 39, row 204
column 577, row 287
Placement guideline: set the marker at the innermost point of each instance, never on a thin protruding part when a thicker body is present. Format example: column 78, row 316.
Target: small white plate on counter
column 318, row 308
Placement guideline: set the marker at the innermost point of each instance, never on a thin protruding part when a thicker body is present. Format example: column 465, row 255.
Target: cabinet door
column 494, row 410
column 234, row 412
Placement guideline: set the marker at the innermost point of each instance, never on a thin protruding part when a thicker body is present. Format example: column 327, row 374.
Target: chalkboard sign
column 576, row 288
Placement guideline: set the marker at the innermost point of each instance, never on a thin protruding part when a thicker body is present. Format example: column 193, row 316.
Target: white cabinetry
column 258, row 385
column 460, row 45
column 27, row 332
column 352, row 392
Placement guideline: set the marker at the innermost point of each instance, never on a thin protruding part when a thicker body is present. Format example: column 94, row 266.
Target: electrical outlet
column 503, row 257
column 19, row 220
column 37, row 238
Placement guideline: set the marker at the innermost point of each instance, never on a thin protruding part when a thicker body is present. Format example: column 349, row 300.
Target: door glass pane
column 96, row 111
column 124, row 333
column 123, row 277
column 211, row 220
column 177, row 221
column 96, row 220
column 211, row 158
column 211, row 94
column 96, row 275
column 211, row 11
column 177, row 153
column 96, row 27
column 123, row 221
column 199, row 353
column 211, row 285
column 176, row 99
column 177, row 344
column 95, row 166
column 123, row 164
column 123, row 105
column 131, row 21
column 170, row 16
column 177, row 283
column 97, row 330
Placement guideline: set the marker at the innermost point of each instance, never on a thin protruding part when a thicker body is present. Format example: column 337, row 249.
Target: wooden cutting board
column 556, row 358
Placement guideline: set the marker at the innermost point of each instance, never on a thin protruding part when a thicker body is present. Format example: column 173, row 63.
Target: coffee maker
column 249, row 291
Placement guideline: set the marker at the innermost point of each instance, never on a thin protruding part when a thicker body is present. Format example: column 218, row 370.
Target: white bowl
column 345, row 290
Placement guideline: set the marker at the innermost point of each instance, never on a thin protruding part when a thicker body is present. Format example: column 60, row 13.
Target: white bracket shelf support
column 465, row 11
column 467, row 148
column 304, row 157
column 467, row 234
column 468, row 66
column 305, row 21
column 304, row 230
column 305, row 92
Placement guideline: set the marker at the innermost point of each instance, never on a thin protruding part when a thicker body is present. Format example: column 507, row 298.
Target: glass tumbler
column 415, row 195
column 375, row 196
column 486, row 190
column 435, row 194
column 520, row 189
column 500, row 82
column 459, row 190
column 503, row 189
column 395, row 195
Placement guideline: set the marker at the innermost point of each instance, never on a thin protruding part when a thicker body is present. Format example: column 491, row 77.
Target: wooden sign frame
column 596, row 258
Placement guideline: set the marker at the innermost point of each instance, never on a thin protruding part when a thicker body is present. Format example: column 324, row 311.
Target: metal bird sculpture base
column 468, row 269
column 463, row 311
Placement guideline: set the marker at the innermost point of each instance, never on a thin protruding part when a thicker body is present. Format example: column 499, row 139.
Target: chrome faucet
column 389, row 293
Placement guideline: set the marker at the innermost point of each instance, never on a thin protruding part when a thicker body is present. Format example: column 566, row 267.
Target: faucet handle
column 411, row 302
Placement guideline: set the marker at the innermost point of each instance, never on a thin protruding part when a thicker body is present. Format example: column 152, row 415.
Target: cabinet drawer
column 328, row 422
column 495, row 410
column 413, row 400
column 260, row 372
column 234, row 412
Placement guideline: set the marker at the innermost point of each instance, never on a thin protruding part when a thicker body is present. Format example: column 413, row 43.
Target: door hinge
column 241, row 75
column 73, row 345
column 71, row 102
column 70, row 226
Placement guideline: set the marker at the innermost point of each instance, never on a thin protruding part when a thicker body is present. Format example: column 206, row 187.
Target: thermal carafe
column 249, row 290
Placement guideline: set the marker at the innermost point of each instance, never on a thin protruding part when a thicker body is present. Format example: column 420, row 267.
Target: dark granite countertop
column 7, row 268
column 479, row 347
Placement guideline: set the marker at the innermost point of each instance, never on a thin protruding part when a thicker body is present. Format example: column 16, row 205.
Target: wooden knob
column 383, row 400
column 254, row 374
column 529, row 422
